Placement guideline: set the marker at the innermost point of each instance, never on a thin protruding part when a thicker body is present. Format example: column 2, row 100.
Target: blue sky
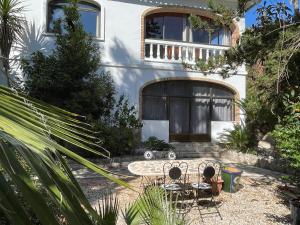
column 251, row 14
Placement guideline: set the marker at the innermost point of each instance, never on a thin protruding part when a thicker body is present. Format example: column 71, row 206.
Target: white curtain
column 199, row 116
column 222, row 110
column 226, row 36
column 179, row 115
column 154, row 108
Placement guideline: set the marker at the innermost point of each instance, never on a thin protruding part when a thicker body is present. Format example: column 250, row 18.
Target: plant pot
column 295, row 211
column 217, row 186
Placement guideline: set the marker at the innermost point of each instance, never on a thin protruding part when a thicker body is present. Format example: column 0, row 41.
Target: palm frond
column 31, row 131
column 108, row 210
column 153, row 207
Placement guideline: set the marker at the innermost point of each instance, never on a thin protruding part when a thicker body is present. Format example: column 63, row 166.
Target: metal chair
column 175, row 183
column 208, row 172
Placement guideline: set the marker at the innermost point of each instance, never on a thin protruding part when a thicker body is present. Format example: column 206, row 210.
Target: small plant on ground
column 154, row 143
column 236, row 138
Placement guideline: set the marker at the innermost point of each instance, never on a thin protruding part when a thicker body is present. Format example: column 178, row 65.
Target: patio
column 257, row 202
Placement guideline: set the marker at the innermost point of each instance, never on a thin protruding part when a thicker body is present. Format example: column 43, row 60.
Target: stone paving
column 258, row 202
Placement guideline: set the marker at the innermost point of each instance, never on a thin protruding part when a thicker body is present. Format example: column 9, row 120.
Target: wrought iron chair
column 175, row 183
column 208, row 172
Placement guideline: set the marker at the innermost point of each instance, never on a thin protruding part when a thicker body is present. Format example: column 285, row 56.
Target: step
column 197, row 150
column 198, row 155
column 196, row 147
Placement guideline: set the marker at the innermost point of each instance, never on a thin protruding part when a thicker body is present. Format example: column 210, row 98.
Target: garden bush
column 287, row 133
column 120, row 135
column 236, row 138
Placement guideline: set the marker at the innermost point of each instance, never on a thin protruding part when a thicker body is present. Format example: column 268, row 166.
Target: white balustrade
column 179, row 52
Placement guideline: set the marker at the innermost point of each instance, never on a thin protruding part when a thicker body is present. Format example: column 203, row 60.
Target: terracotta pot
column 217, row 185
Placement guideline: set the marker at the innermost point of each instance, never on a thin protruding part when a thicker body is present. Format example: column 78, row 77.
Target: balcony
column 180, row 52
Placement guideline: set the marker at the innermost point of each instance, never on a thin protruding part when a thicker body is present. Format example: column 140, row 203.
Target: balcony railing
column 180, row 52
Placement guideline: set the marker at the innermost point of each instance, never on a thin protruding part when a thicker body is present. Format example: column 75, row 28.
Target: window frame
column 164, row 87
column 187, row 34
column 96, row 8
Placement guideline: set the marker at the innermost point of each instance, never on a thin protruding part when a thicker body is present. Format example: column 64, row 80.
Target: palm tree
column 11, row 26
column 31, row 157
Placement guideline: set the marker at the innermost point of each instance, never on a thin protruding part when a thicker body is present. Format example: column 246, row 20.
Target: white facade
column 120, row 39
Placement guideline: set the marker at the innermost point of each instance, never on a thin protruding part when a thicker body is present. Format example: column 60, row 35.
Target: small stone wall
column 266, row 162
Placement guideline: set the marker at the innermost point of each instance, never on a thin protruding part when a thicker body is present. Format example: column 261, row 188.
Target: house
column 144, row 44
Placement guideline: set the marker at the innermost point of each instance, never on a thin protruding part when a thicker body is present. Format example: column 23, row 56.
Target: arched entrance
column 189, row 106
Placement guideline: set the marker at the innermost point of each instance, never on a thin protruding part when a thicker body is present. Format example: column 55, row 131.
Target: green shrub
column 154, row 143
column 287, row 133
column 120, row 135
column 237, row 138
column 287, row 138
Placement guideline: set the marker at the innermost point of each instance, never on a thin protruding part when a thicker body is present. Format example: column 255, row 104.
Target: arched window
column 157, row 98
column 189, row 106
column 176, row 27
column 90, row 16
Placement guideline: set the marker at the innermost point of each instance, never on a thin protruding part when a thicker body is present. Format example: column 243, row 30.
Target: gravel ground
column 257, row 202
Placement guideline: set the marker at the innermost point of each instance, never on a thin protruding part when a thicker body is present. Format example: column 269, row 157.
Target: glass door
column 189, row 119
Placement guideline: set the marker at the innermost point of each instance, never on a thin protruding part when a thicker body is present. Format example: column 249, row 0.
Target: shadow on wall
column 32, row 40
column 120, row 54
column 125, row 79
column 132, row 73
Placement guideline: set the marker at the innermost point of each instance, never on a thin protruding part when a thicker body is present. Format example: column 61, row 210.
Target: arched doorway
column 189, row 106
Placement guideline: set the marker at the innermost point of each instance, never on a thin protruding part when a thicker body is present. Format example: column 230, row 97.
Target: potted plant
column 295, row 211
column 157, row 148
column 217, row 184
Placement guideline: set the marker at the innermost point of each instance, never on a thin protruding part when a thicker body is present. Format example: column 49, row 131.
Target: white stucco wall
column 121, row 51
column 121, row 43
column 160, row 129
column 219, row 127
column 156, row 128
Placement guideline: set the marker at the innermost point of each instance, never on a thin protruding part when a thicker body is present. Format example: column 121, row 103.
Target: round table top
column 155, row 167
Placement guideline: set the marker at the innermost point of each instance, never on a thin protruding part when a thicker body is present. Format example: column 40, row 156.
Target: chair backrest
column 208, row 170
column 175, row 172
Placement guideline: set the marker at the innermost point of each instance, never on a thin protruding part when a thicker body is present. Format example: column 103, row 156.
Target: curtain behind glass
column 154, row 108
column 179, row 115
column 199, row 115
column 222, row 110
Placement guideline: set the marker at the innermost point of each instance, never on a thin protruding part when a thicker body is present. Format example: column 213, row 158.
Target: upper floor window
column 90, row 15
column 176, row 27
